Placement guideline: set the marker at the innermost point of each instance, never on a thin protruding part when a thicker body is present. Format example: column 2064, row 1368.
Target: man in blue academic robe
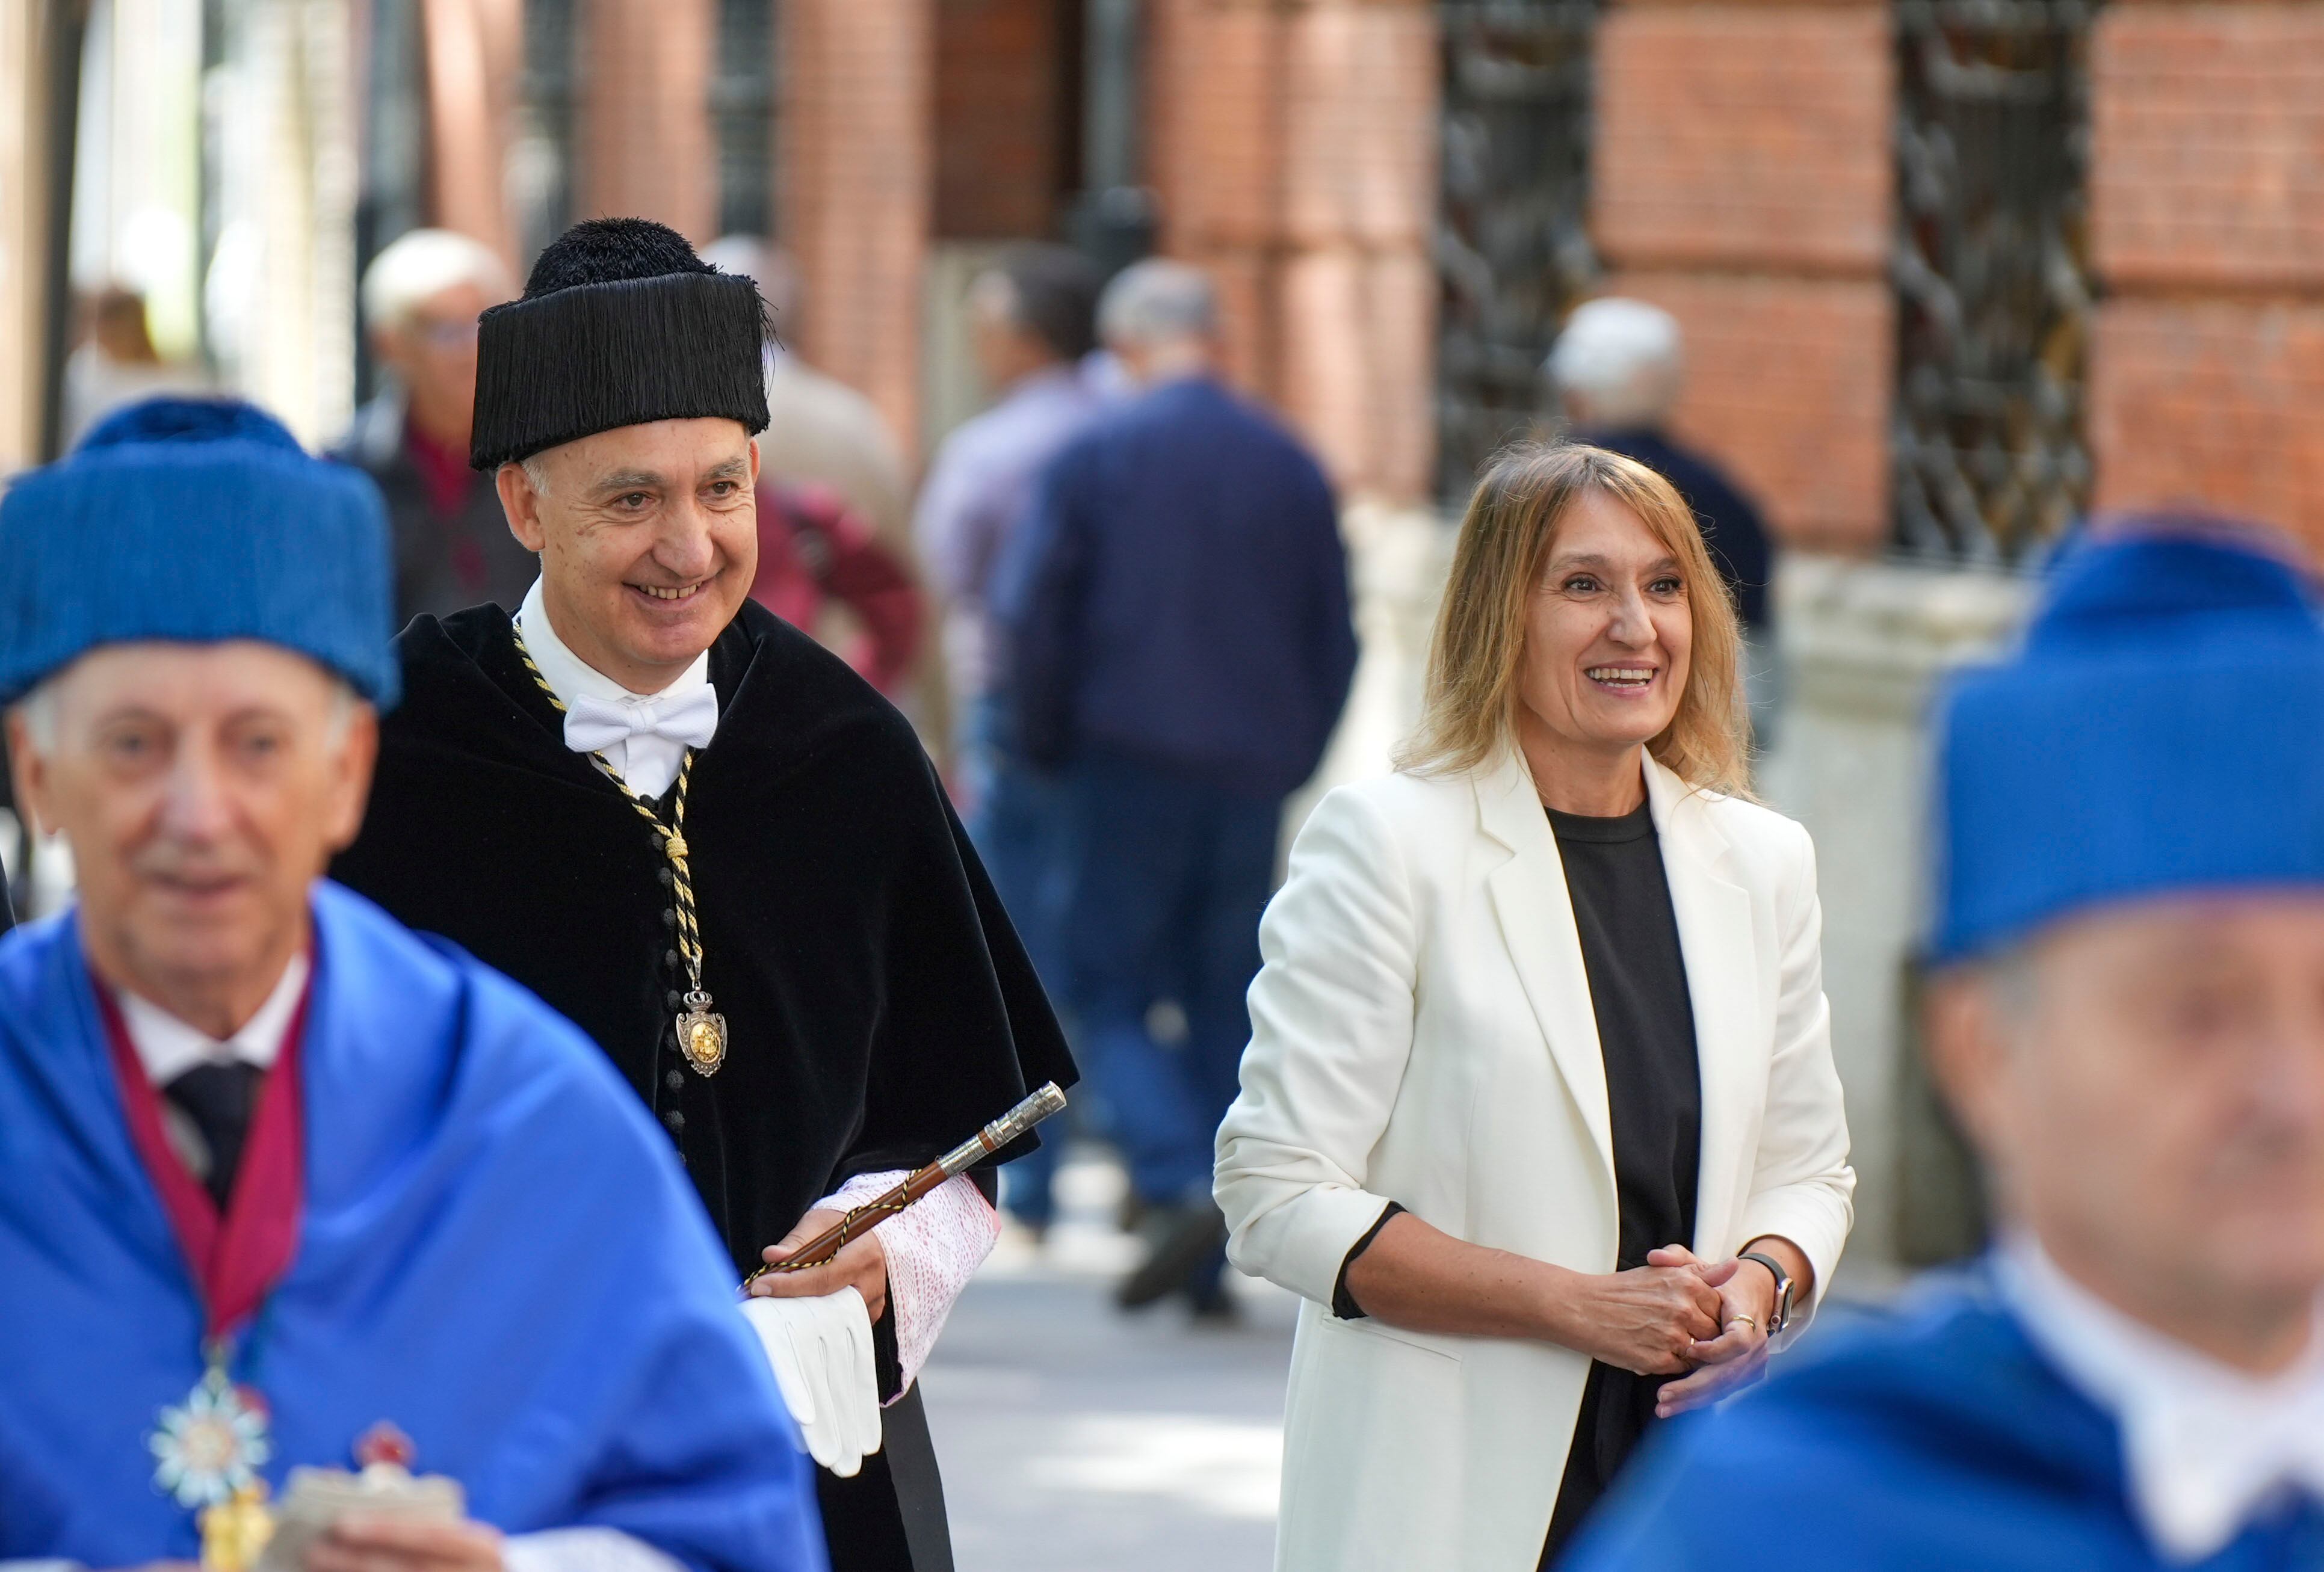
column 281, row 1183
column 2127, row 1013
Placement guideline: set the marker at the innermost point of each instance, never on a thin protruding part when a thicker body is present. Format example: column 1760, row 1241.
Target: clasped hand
column 359, row 1543
column 1679, row 1315
column 368, row 1543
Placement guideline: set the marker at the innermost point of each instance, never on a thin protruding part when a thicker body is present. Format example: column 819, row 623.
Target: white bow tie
column 593, row 725
column 2200, row 1474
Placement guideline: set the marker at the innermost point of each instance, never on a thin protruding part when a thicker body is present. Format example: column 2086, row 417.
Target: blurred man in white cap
column 422, row 296
column 1617, row 371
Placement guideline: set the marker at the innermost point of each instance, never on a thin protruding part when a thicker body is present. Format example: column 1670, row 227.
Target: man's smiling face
column 648, row 541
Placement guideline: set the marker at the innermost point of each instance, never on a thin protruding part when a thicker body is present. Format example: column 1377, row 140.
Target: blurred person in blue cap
column 2127, row 1013
column 271, row 1165
column 696, row 832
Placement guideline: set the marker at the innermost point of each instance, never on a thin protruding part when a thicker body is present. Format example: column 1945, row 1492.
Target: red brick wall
column 2206, row 373
column 1294, row 146
column 1754, row 135
column 999, row 120
column 474, row 53
column 1742, row 180
column 858, row 183
column 2208, row 142
column 646, row 149
column 1788, row 379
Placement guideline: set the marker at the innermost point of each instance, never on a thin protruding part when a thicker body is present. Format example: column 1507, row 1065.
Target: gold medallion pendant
column 701, row 1034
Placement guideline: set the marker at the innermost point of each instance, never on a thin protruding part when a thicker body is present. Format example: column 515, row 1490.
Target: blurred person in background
column 1179, row 648
column 2127, row 1012
column 422, row 296
column 689, row 827
column 275, row 1171
column 820, row 431
column 1617, row 369
column 1539, row 1114
column 832, row 497
column 1032, row 319
column 815, row 552
column 117, row 362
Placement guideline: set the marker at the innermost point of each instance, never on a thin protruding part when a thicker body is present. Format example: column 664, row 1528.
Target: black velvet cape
column 879, row 1005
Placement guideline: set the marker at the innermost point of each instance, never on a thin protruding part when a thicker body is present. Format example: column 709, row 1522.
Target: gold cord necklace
column 701, row 1032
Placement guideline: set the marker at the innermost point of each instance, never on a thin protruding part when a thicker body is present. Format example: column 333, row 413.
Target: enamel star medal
column 207, row 1451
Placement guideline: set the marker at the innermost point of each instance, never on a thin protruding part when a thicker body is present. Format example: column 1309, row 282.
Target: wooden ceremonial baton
column 820, row 1250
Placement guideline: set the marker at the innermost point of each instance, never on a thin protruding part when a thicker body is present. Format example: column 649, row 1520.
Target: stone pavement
column 1074, row 1438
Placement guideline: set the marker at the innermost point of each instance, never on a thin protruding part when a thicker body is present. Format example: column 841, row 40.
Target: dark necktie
column 218, row 1099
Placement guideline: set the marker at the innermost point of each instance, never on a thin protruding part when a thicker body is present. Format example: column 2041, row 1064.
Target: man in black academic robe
column 878, row 1006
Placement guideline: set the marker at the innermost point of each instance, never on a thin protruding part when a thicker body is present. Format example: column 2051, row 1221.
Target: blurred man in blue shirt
column 1180, row 645
column 2127, row 1012
column 1032, row 319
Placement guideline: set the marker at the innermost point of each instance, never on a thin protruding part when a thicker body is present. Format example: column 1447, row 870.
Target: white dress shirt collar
column 649, row 763
column 2205, row 1446
column 168, row 1047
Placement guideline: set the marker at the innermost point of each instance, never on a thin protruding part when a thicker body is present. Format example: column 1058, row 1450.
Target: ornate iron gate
column 543, row 154
column 743, row 112
column 1512, row 244
column 1992, row 273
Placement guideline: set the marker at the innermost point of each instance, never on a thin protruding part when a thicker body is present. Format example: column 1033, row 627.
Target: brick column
column 2207, row 195
column 1295, row 148
column 999, row 143
column 646, row 149
column 1742, row 178
column 857, row 184
column 26, row 38
column 475, row 63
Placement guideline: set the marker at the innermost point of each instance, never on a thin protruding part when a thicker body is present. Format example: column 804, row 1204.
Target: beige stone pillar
column 645, row 147
column 857, row 184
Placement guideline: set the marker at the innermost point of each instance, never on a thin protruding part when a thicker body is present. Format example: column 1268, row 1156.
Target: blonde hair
column 1470, row 714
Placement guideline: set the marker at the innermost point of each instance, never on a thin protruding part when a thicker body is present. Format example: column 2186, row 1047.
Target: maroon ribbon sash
column 236, row 1259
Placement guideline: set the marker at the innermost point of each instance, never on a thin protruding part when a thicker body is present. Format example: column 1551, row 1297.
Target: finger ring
column 1743, row 1320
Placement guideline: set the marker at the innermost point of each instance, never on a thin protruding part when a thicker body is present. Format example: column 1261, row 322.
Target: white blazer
column 1421, row 1032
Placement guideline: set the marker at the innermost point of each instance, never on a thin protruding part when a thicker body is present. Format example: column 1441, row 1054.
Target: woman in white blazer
column 1539, row 1112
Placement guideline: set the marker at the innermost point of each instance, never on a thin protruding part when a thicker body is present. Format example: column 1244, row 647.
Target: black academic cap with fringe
column 620, row 324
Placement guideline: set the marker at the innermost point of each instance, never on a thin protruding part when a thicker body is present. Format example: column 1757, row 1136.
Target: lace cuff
column 934, row 1247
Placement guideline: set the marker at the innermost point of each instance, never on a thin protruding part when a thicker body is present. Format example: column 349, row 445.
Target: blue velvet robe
column 1940, row 1441
column 498, row 1255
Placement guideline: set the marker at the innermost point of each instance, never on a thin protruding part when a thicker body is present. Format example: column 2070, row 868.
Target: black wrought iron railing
column 742, row 114
column 1992, row 273
column 1513, row 252
column 542, row 175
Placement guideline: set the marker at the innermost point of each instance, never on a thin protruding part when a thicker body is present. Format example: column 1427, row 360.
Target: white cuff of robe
column 933, row 1246
column 820, row 1350
column 584, row 1549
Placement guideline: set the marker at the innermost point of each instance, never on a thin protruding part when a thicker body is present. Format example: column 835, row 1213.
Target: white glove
column 821, row 1351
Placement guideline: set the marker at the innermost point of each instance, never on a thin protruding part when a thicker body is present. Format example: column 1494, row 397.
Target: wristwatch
column 1783, row 1311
